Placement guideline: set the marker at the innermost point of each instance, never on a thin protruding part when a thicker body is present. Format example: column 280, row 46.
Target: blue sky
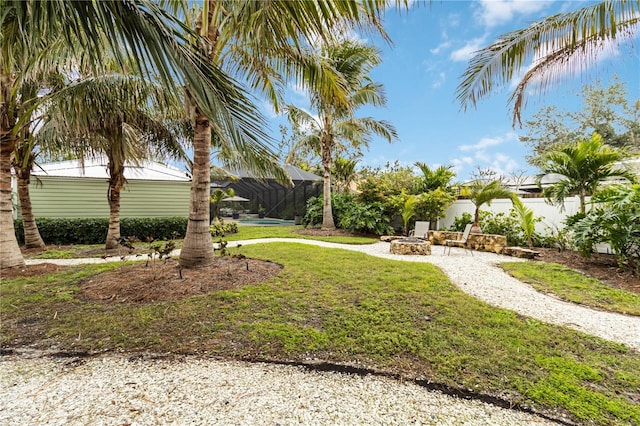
column 421, row 70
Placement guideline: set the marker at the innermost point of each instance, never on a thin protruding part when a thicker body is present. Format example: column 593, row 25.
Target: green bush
column 339, row 205
column 221, row 229
column 366, row 219
column 94, row 230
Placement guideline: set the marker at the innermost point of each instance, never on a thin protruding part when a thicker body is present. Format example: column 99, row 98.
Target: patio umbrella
column 235, row 198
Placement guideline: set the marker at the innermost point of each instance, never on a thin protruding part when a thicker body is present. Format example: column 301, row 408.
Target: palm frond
column 556, row 40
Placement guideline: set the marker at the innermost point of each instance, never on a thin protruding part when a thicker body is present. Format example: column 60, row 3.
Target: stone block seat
column 521, row 252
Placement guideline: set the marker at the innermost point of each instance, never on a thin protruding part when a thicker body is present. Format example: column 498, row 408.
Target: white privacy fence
column 552, row 216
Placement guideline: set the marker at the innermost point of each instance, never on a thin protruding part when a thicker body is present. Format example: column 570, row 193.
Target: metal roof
column 295, row 173
column 97, row 168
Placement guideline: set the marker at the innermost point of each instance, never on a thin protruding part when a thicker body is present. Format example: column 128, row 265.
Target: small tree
column 216, row 198
column 483, row 190
column 583, row 166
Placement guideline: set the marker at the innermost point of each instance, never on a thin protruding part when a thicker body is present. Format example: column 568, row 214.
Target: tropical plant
column 122, row 118
column 583, row 166
column 159, row 45
column 483, row 191
column 344, row 173
column 217, row 195
column 408, row 211
column 525, row 217
column 433, row 179
column 336, row 128
column 615, row 220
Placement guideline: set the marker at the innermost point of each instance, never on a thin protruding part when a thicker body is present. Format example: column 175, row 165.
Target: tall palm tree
column 335, row 127
column 560, row 43
column 259, row 41
column 583, row 166
column 160, row 46
column 123, row 118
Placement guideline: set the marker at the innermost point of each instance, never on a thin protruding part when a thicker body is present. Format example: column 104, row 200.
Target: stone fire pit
column 411, row 245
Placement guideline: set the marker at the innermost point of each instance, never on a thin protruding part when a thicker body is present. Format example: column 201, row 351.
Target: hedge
column 94, row 230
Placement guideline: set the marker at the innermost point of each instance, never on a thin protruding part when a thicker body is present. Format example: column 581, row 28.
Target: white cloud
column 489, row 142
column 466, row 52
column 442, row 77
column 496, row 12
column 441, row 46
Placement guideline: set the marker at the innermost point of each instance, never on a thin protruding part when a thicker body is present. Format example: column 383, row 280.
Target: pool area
column 267, row 221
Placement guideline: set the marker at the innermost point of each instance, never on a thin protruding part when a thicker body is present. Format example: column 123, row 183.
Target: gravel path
column 116, row 391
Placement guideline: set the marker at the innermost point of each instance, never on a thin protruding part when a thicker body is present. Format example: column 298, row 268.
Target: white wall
column 552, row 217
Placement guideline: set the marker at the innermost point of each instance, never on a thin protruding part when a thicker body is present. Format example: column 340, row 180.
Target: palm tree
column 217, row 196
column 335, row 127
column 260, row 41
column 344, row 171
column 160, row 46
column 583, row 166
column 560, row 43
column 121, row 117
column 433, row 179
column 483, row 191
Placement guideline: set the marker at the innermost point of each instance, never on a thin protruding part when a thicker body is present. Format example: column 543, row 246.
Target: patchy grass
column 573, row 286
column 346, row 307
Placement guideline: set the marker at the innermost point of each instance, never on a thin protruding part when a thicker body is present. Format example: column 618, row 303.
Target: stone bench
column 520, row 252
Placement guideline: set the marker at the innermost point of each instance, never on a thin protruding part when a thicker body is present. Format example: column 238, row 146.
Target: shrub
column 94, row 230
column 221, row 228
column 366, row 218
column 500, row 224
column 339, row 204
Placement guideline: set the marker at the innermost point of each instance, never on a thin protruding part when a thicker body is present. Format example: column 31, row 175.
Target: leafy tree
column 583, row 166
column 614, row 220
column 336, row 126
column 563, row 39
column 606, row 110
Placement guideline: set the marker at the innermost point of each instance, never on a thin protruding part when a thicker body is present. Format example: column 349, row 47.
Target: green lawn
column 254, row 232
column 573, row 286
column 349, row 308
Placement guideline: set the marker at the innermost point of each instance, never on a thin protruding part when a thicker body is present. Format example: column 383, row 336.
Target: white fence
column 552, row 216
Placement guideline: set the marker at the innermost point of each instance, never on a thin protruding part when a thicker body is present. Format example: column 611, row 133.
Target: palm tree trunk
column 476, row 229
column 197, row 248
column 32, row 238
column 116, row 183
column 327, row 211
column 10, row 254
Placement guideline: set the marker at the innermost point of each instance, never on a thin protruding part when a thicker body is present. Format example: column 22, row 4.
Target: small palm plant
column 526, row 217
column 408, row 211
column 216, row 198
column 482, row 192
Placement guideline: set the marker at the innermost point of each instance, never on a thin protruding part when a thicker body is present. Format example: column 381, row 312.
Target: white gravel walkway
column 115, row 391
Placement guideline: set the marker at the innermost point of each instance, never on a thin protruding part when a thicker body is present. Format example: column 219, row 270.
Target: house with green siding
column 67, row 189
